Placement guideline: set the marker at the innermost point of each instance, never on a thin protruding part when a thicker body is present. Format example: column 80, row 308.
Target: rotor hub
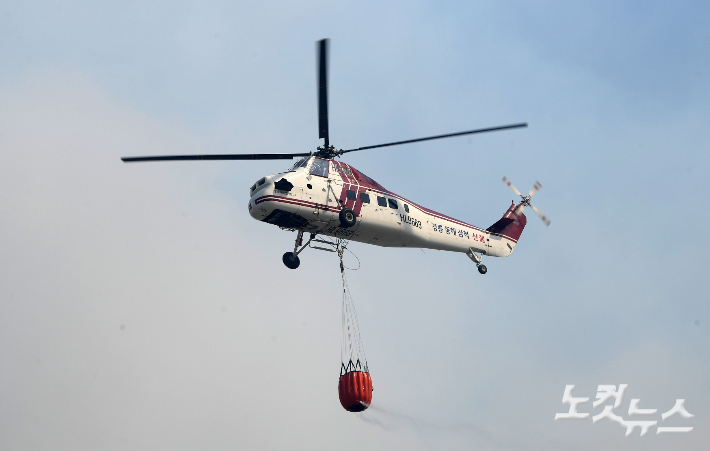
column 328, row 152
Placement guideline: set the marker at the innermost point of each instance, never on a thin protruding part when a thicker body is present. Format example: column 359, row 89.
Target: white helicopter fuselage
column 316, row 190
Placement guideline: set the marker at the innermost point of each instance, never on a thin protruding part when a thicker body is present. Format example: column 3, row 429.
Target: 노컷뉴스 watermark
column 606, row 393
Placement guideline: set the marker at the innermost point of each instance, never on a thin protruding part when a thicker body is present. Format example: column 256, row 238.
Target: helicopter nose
column 259, row 211
column 254, row 211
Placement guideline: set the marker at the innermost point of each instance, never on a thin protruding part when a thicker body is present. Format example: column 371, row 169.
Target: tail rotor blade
column 507, row 182
column 543, row 217
column 536, row 187
column 519, row 210
column 323, row 90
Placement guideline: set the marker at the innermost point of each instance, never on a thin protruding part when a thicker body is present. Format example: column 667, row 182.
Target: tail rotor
column 525, row 202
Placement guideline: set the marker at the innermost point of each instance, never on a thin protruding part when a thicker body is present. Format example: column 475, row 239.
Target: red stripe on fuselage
column 345, row 172
column 350, row 203
column 302, row 203
column 358, row 206
column 344, row 195
column 358, row 202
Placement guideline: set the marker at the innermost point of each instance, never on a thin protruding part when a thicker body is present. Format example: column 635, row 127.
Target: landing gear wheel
column 291, row 261
column 347, row 218
column 481, row 268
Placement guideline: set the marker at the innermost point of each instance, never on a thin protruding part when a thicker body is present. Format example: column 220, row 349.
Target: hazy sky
column 142, row 308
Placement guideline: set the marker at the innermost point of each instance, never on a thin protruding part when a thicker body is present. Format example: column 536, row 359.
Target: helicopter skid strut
column 477, row 260
column 291, row 259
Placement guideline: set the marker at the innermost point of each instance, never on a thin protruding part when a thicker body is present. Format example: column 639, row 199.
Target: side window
column 393, row 203
column 351, row 195
column 365, row 198
column 381, row 201
column 319, row 167
column 406, row 208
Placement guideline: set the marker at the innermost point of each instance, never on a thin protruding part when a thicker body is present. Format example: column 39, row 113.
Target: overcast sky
column 142, row 308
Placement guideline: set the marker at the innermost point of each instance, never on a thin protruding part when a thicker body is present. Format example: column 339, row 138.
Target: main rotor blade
column 238, row 156
column 449, row 135
column 543, row 217
column 323, row 90
column 507, row 182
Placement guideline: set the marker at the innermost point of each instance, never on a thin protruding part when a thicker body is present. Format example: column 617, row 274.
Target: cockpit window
column 294, row 166
column 320, row 167
column 299, row 164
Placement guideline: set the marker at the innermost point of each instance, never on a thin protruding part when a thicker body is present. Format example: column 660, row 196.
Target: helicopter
column 323, row 197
